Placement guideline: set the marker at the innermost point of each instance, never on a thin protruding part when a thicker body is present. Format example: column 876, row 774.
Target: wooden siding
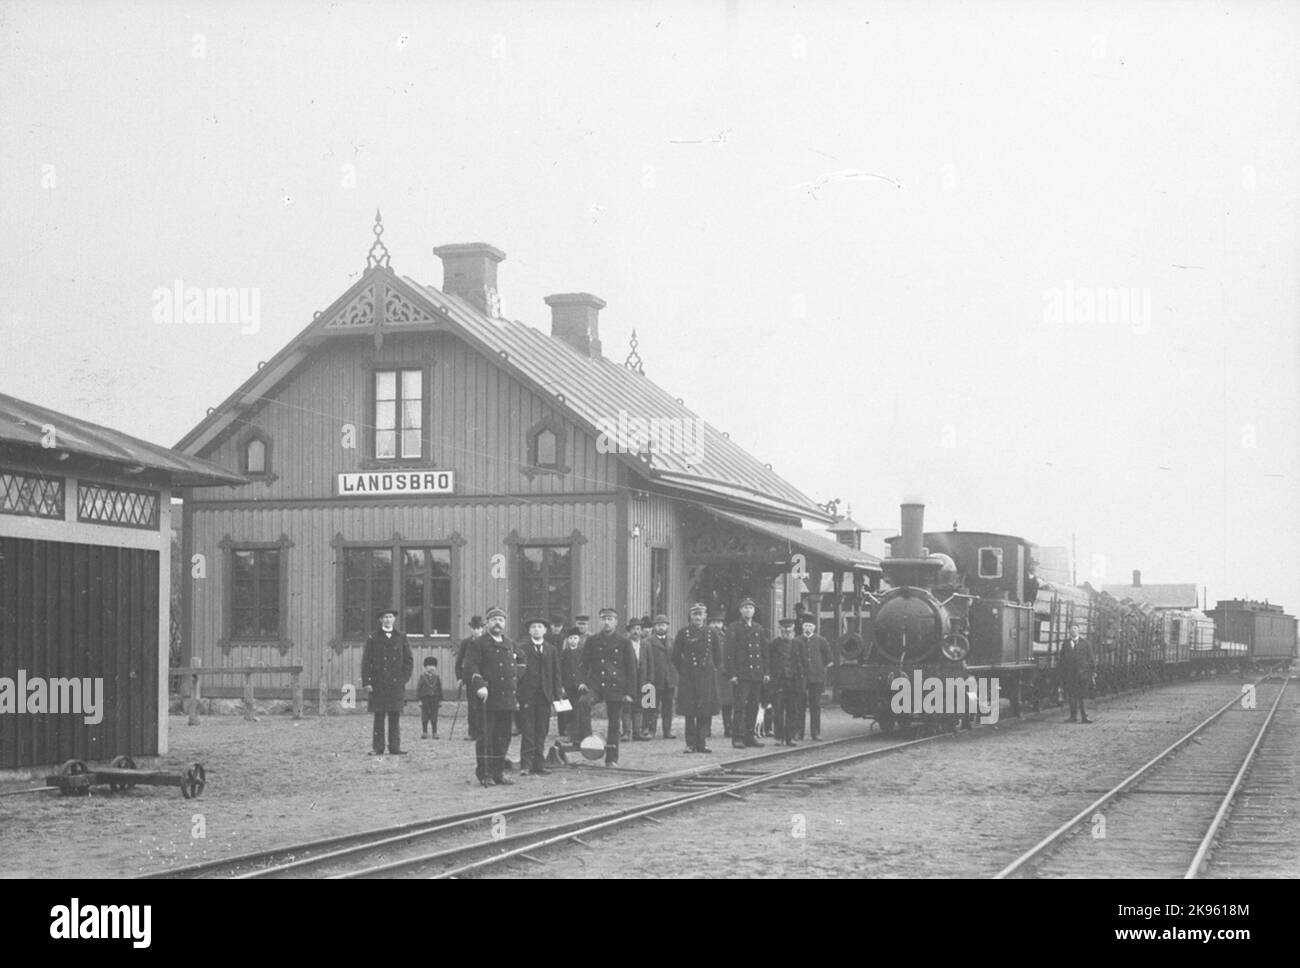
column 86, row 611
column 313, row 578
column 478, row 426
column 660, row 528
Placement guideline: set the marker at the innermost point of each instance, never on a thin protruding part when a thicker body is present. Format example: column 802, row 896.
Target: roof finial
column 378, row 255
column 633, row 361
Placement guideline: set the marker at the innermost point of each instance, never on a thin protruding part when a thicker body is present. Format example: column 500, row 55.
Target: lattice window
column 30, row 494
column 124, row 506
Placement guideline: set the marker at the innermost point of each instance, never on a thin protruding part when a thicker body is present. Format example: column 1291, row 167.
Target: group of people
column 643, row 678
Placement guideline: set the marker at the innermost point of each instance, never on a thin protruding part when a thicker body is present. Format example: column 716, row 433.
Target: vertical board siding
column 86, row 612
column 312, row 576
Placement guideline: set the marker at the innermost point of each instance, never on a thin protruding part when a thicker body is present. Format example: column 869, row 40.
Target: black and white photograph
column 506, row 439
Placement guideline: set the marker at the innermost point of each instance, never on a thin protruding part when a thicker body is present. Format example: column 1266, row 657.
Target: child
column 430, row 693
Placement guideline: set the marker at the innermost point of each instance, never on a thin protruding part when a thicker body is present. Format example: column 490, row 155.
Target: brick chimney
column 469, row 270
column 1137, row 578
column 575, row 318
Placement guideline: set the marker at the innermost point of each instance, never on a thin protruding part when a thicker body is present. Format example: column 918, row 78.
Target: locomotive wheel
column 73, row 768
column 193, row 782
column 121, row 763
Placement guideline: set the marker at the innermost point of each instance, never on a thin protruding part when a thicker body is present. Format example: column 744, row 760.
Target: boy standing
column 429, row 692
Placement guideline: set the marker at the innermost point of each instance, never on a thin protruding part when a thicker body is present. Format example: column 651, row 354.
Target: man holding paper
column 539, row 686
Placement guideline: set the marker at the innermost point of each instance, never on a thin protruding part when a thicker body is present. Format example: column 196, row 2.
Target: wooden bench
column 196, row 672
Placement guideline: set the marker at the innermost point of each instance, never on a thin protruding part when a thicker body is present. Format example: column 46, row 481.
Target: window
column 110, row 504
column 658, row 581
column 399, row 413
column 990, row 562
column 40, row 497
column 255, row 456
column 255, row 593
column 545, row 581
column 367, row 587
column 548, row 449
column 426, row 591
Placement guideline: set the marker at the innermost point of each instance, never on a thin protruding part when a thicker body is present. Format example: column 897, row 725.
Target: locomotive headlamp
column 956, row 648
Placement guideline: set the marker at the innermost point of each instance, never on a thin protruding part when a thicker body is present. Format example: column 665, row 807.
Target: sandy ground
column 963, row 807
column 276, row 781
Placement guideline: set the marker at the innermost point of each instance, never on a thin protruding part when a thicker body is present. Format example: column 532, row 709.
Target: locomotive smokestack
column 909, row 543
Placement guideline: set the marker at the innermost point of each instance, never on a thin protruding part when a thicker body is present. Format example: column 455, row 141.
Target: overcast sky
column 862, row 238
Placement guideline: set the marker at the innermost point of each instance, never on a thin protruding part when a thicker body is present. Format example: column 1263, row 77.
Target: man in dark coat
column 818, row 657
column 665, row 674
column 575, row 724
column 386, row 666
column 746, row 662
column 789, row 670
column 1076, row 666
column 609, row 676
column 539, row 686
column 493, row 676
column 474, row 707
column 726, row 695
column 635, row 631
column 697, row 653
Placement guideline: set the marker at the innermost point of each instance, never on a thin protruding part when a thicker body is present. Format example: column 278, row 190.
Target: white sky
column 874, row 342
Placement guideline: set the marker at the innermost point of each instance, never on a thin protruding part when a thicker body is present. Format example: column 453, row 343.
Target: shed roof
column 1157, row 596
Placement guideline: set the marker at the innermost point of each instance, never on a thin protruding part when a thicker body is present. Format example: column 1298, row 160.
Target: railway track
column 1163, row 819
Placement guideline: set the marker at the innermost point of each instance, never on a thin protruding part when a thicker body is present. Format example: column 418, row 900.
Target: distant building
column 1157, row 596
column 85, row 572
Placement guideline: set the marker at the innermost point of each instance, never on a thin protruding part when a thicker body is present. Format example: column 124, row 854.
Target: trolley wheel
column 121, row 763
column 73, row 768
column 193, row 782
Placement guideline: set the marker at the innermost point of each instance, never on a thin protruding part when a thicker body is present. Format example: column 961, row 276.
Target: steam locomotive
column 966, row 606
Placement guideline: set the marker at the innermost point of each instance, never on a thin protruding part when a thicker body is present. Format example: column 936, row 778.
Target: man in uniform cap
column 746, row 662
column 665, row 674
column 474, row 707
column 490, row 667
column 785, row 660
column 386, row 665
column 818, row 657
column 718, row 622
column 697, row 653
column 609, row 676
column 539, row 686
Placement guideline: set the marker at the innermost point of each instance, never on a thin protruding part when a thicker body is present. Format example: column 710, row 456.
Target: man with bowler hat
column 539, row 686
column 386, row 665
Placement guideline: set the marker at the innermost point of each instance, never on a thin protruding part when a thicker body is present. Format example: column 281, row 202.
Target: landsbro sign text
column 397, row 482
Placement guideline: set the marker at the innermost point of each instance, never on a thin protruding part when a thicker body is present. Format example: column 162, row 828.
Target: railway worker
column 555, row 634
column 717, row 622
column 474, row 708
column 386, row 666
column 819, row 657
column 666, row 675
column 788, row 664
column 1077, row 668
column 493, row 675
column 575, row 724
column 697, row 655
column 746, row 663
column 538, row 687
column 609, row 676
column 583, row 624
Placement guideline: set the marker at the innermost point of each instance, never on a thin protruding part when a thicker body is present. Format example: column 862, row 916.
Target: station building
column 85, row 549
column 413, row 447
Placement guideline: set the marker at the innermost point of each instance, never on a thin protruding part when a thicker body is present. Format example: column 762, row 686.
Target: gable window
column 546, row 446
column 255, row 593
column 547, row 449
column 990, row 562
column 255, row 456
column 399, row 412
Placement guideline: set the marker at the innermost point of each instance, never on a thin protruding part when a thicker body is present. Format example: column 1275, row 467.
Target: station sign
column 396, row 482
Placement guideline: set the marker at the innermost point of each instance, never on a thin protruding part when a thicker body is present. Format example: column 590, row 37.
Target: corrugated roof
column 597, row 389
column 21, row 425
column 1157, row 596
column 812, row 542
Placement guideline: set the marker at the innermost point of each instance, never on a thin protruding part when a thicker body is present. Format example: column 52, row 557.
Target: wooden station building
column 413, row 447
column 85, row 552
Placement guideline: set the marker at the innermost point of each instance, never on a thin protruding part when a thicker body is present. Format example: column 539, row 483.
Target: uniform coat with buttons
column 609, row 668
column 386, row 666
column 786, row 661
column 746, row 657
column 697, row 652
column 491, row 662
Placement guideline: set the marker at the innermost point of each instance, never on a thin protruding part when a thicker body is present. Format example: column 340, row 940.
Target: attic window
column 547, row 449
column 546, row 441
column 255, row 456
column 399, row 410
